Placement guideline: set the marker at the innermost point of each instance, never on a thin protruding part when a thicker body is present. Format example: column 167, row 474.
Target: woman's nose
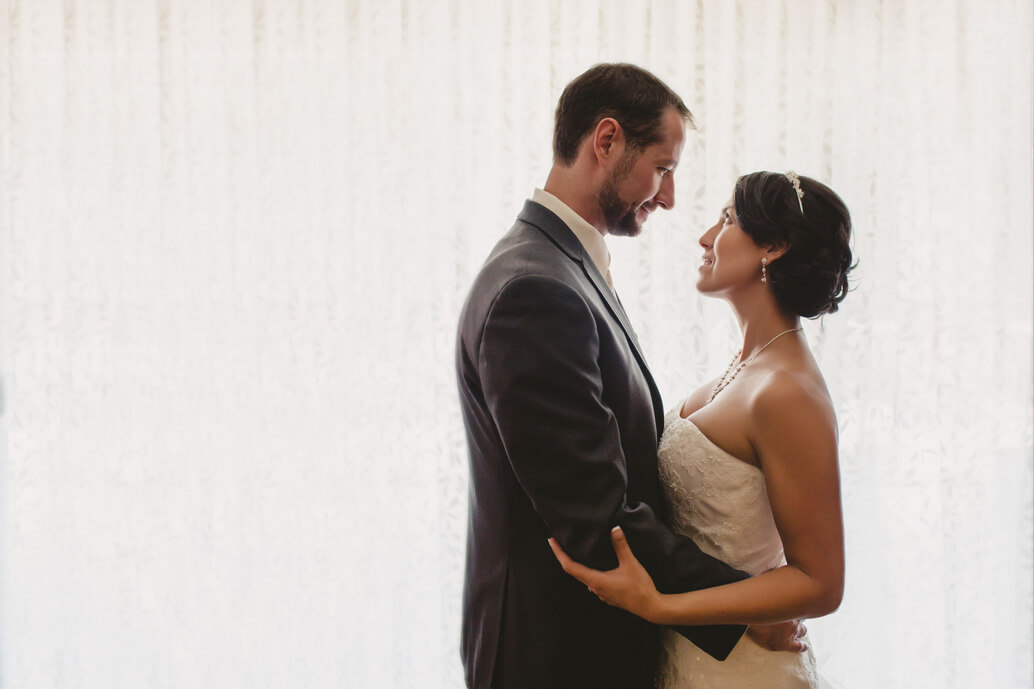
column 707, row 238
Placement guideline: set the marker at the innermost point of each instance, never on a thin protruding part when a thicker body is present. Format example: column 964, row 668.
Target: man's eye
column 664, row 171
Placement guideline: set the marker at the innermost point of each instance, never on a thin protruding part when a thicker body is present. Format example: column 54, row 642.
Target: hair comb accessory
column 796, row 182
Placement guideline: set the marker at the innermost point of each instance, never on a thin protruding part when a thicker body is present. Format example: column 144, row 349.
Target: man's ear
column 608, row 141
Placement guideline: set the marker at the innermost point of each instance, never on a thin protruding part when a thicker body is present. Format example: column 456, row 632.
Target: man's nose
column 665, row 196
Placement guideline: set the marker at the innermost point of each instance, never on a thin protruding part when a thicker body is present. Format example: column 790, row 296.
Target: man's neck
column 574, row 187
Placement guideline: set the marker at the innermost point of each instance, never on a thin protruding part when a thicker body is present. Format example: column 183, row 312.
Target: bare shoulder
column 784, row 391
column 792, row 405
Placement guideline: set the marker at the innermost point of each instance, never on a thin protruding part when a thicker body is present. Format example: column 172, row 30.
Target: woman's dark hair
column 810, row 279
column 629, row 94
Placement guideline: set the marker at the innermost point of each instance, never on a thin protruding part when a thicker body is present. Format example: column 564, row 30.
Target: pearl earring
column 764, row 270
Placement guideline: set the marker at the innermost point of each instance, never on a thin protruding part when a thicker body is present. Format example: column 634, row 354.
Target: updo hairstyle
column 810, row 279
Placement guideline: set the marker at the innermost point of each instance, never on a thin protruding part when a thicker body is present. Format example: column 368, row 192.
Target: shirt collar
column 588, row 235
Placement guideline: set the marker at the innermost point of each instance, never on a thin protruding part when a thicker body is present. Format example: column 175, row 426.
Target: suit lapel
column 618, row 310
column 544, row 219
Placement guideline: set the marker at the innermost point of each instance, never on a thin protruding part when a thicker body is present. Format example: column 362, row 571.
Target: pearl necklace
column 723, row 382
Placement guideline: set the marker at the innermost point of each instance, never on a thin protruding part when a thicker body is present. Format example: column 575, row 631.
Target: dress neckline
column 712, row 443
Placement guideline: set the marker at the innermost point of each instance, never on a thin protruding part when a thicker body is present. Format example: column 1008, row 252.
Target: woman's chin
column 706, row 289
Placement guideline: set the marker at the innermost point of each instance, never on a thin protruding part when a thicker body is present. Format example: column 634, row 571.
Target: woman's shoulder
column 788, row 393
column 791, row 420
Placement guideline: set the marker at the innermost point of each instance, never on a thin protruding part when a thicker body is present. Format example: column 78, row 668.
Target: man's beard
column 617, row 213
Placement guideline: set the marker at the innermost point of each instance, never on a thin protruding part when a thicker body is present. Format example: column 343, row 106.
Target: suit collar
column 546, row 220
column 592, row 240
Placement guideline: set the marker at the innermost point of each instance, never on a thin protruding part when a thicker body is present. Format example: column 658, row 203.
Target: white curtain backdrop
column 235, row 238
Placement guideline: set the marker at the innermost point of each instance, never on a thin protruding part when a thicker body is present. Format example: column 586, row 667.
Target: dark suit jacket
column 562, row 420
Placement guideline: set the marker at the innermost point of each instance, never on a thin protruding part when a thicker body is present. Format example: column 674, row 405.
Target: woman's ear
column 775, row 251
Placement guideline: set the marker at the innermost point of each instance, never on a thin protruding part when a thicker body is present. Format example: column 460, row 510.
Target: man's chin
column 629, row 225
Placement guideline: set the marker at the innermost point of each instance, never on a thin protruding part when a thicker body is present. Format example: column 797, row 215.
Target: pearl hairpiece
column 796, row 182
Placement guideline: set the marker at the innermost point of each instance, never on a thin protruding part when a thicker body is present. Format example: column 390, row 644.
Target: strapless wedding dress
column 721, row 503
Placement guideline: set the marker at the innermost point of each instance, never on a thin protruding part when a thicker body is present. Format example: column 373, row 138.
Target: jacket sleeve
column 538, row 361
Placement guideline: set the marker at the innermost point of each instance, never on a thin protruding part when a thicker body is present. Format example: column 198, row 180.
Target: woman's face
column 731, row 258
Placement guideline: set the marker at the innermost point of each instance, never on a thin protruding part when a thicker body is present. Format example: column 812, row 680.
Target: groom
column 562, row 415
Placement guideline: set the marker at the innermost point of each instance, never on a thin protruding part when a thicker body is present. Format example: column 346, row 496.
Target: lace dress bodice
column 721, row 502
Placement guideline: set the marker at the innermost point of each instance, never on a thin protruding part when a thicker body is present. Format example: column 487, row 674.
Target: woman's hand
column 629, row 586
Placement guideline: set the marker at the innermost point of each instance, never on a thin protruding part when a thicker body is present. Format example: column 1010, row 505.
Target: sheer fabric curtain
column 236, row 237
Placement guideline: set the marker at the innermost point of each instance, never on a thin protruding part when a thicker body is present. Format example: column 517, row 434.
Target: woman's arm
column 793, row 431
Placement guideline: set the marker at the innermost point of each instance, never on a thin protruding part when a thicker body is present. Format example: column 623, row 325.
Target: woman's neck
column 760, row 320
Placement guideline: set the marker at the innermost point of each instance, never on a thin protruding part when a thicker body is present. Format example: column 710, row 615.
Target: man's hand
column 784, row 636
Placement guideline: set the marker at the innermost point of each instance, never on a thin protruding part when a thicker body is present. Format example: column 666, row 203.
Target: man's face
column 643, row 180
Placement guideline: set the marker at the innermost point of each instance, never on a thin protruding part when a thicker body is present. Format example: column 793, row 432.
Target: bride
column 749, row 460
